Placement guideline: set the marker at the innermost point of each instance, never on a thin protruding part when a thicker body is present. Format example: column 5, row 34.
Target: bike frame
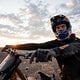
column 9, row 65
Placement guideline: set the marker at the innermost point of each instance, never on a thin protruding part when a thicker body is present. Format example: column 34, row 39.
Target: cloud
column 12, row 17
column 71, row 7
column 29, row 22
column 38, row 17
column 70, row 4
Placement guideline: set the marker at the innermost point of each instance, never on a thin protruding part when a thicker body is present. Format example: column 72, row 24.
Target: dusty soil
column 28, row 69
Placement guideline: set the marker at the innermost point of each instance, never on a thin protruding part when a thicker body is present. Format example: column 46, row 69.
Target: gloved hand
column 8, row 49
column 4, row 49
column 42, row 55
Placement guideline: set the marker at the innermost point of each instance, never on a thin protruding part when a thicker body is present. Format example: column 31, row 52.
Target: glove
column 4, row 49
column 8, row 49
column 42, row 55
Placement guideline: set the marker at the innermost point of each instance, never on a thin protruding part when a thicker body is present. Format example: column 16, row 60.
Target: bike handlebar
column 27, row 55
column 12, row 51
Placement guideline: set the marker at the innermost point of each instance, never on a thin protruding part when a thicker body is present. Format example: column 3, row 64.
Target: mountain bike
column 9, row 66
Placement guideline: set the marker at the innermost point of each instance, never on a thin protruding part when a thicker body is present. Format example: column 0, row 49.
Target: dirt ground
column 28, row 69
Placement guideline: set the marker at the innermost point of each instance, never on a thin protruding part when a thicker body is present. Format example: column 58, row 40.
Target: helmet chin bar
column 64, row 35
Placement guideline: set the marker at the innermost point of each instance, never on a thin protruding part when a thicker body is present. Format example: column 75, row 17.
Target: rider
column 65, row 48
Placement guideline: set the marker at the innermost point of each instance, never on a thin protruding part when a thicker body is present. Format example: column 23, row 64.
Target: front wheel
column 13, row 76
column 17, row 73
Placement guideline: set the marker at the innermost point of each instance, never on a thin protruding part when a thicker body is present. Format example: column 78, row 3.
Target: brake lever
column 28, row 55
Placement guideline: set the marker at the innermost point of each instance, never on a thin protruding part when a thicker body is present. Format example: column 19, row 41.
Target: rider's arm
column 34, row 46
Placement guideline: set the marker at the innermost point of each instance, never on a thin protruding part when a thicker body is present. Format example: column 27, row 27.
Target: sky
column 28, row 21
